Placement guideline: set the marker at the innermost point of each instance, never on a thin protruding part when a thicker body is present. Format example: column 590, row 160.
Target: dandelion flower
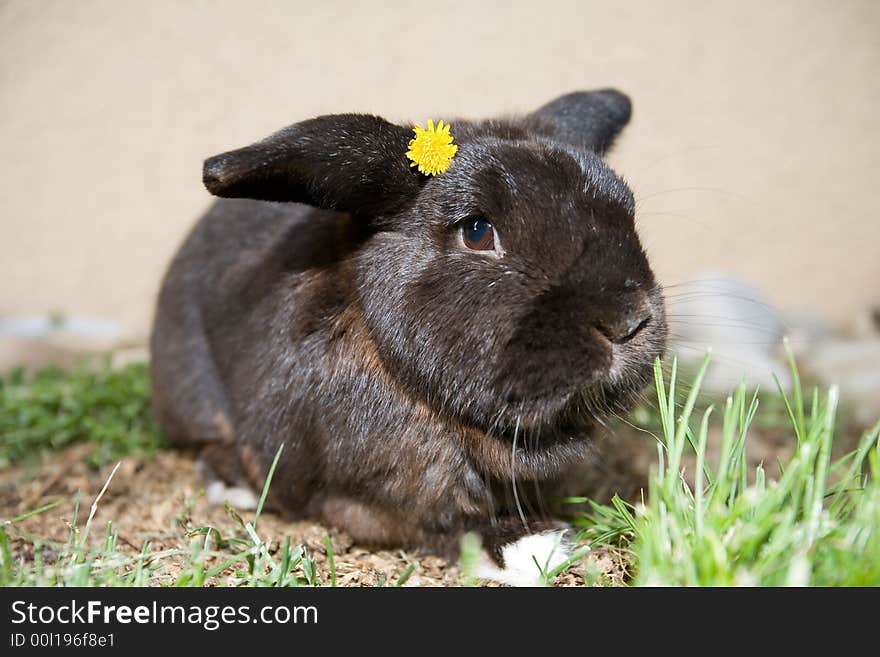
column 431, row 150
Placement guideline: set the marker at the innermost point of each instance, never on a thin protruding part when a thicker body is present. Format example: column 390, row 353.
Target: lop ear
column 349, row 162
column 586, row 119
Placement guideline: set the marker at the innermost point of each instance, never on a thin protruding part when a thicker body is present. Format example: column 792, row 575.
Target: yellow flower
column 432, row 150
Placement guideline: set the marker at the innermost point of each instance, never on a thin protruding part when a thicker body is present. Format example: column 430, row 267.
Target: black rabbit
column 423, row 346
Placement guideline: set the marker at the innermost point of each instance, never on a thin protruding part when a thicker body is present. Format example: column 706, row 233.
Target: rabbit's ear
column 349, row 162
column 587, row 119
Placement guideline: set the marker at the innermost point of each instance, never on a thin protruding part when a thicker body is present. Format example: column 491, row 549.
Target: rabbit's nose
column 626, row 326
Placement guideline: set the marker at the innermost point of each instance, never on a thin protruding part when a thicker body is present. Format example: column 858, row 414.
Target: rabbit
column 428, row 349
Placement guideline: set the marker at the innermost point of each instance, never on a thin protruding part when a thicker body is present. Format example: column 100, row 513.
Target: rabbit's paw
column 238, row 497
column 527, row 560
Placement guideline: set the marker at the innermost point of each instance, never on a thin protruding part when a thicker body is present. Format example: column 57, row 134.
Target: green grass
column 54, row 408
column 244, row 559
column 818, row 524
column 715, row 522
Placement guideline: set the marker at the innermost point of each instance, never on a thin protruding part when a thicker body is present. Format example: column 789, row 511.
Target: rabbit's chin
column 575, row 412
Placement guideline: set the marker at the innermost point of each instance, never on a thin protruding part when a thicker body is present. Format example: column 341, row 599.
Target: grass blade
column 331, row 563
column 265, row 492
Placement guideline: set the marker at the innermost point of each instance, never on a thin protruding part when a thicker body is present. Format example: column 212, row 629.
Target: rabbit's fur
column 410, row 379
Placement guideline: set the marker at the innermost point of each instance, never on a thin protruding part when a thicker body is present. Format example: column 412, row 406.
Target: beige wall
column 754, row 146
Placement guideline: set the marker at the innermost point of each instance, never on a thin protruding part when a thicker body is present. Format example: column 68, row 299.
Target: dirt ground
column 161, row 499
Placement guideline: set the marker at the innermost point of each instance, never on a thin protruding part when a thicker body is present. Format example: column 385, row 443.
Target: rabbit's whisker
column 519, row 508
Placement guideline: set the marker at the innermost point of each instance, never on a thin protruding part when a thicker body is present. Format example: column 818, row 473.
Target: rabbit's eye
column 478, row 235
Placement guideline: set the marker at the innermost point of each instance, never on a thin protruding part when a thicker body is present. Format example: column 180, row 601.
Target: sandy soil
column 161, row 499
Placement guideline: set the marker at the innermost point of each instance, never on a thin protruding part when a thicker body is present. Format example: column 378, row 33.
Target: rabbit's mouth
column 572, row 405
column 533, row 443
column 577, row 414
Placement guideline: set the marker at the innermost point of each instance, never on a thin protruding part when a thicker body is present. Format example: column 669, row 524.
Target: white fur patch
column 549, row 549
column 238, row 497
